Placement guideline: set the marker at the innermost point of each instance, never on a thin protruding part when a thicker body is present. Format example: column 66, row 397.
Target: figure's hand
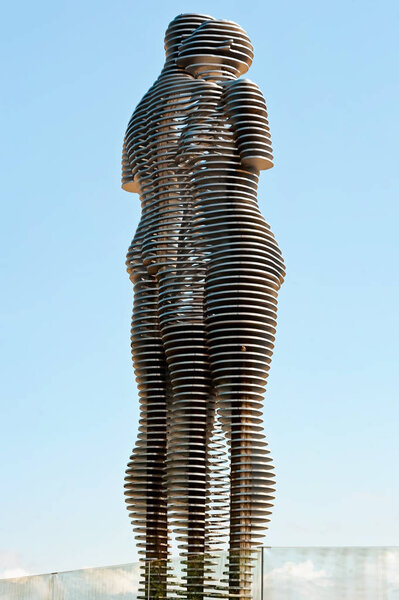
column 131, row 185
column 129, row 181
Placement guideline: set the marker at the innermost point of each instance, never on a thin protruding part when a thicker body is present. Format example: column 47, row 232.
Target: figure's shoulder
column 245, row 90
column 202, row 85
column 241, row 83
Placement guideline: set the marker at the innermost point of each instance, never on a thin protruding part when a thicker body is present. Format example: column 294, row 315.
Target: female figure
column 224, row 145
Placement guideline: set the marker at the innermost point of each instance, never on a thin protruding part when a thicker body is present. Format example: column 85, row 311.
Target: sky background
column 72, row 75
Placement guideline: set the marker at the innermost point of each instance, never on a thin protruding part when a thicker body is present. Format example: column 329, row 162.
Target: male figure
column 168, row 464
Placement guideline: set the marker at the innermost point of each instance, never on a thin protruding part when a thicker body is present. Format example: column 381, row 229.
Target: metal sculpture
column 206, row 270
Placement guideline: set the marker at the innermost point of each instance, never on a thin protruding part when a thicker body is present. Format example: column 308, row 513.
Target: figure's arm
column 129, row 181
column 246, row 110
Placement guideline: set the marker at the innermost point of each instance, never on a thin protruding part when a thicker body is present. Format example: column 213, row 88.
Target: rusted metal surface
column 206, row 270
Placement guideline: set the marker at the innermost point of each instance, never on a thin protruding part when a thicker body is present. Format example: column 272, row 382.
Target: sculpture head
column 180, row 28
column 216, row 50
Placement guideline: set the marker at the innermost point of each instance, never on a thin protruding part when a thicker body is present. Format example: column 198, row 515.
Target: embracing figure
column 206, row 270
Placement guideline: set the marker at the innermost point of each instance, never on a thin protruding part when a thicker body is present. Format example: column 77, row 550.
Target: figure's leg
column 146, row 472
column 190, row 414
column 243, row 277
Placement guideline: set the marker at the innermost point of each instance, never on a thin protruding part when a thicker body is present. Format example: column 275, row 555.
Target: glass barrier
column 277, row 574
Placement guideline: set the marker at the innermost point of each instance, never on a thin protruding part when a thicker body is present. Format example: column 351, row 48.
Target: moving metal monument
column 206, row 270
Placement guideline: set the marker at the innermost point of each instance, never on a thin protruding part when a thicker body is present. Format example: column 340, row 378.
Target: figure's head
column 216, row 50
column 180, row 28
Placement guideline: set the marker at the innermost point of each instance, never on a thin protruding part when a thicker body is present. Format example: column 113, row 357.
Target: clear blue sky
column 73, row 73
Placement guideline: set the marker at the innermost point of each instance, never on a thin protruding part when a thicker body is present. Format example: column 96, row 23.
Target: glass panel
column 119, row 583
column 331, row 573
column 288, row 574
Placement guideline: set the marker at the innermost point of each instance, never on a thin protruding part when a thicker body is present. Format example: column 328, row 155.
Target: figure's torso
column 152, row 140
column 225, row 191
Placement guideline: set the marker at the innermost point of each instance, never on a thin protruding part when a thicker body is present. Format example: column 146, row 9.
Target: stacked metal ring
column 206, row 271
